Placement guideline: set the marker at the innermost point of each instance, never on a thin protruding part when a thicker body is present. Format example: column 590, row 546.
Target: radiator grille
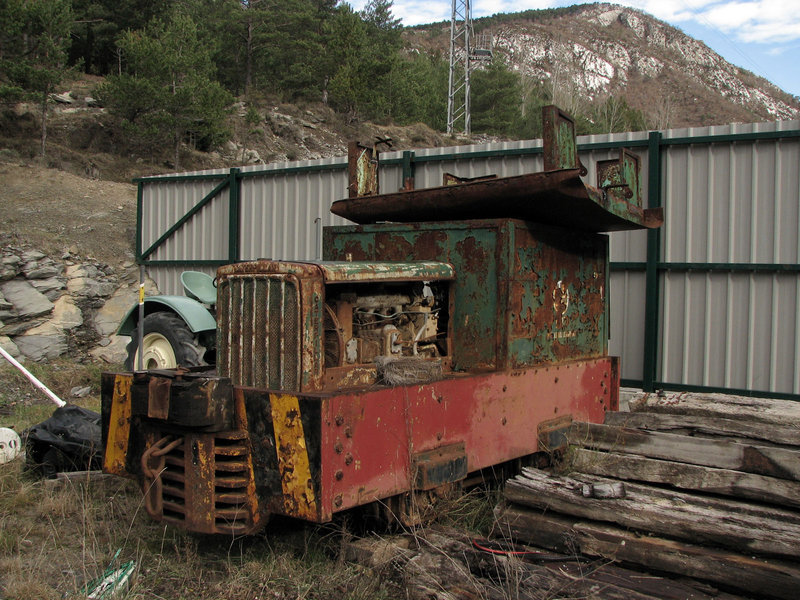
column 225, row 495
column 259, row 331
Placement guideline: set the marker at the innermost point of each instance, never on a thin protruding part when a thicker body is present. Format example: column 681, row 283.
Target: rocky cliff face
column 595, row 50
column 55, row 306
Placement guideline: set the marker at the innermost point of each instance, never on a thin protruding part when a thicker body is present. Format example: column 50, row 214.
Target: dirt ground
column 55, row 211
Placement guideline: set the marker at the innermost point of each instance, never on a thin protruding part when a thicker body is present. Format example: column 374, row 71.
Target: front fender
column 193, row 313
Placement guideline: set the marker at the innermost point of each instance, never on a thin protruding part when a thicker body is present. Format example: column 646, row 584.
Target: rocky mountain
column 587, row 52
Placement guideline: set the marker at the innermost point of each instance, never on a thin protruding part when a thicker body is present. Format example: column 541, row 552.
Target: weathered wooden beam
column 783, row 463
column 766, row 579
column 742, row 526
column 758, row 410
column 711, row 425
column 688, row 477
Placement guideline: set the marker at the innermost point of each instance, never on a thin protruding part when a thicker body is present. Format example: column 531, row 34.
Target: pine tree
column 166, row 91
column 34, row 37
column 496, row 99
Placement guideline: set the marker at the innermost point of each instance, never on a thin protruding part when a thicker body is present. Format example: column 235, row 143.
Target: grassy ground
column 53, row 540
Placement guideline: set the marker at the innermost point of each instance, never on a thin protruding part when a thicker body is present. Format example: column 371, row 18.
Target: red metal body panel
column 369, row 438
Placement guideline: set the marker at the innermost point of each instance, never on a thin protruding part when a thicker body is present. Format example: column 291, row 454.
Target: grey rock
column 89, row 288
column 66, row 315
column 7, row 272
column 27, row 300
column 80, row 391
column 9, row 346
column 43, row 342
column 42, row 271
column 48, row 285
column 64, row 98
column 11, row 260
column 19, row 327
column 82, row 271
column 32, row 255
column 108, row 318
column 115, row 352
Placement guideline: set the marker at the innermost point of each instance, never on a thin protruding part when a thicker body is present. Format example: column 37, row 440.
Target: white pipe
column 59, row 402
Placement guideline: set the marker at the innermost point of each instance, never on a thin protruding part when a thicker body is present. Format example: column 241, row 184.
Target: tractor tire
column 168, row 343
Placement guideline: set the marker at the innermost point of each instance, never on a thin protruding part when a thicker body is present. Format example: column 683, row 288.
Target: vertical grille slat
column 260, row 331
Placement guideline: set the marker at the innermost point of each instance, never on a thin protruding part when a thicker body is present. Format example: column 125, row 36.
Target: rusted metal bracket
column 552, row 434
column 620, row 177
column 362, row 165
column 450, row 179
column 446, row 464
column 558, row 140
column 183, row 398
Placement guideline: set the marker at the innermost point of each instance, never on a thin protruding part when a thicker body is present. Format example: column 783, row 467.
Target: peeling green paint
column 509, row 311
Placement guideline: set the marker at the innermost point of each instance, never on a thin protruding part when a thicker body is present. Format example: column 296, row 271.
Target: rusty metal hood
column 552, row 197
column 347, row 271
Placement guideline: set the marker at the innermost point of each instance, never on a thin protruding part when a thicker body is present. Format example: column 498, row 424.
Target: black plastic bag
column 70, row 440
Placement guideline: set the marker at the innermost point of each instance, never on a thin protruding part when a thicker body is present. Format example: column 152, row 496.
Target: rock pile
column 51, row 307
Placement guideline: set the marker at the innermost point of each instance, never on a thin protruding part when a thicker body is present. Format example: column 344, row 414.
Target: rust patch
column 158, row 391
column 475, row 257
column 394, row 247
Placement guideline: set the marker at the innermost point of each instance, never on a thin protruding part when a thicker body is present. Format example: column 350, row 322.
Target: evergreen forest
column 173, row 69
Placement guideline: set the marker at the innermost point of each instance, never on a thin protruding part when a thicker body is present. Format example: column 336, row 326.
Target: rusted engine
column 417, row 353
column 310, row 327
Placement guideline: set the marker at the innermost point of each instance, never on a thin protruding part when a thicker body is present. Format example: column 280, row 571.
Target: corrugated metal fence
column 709, row 302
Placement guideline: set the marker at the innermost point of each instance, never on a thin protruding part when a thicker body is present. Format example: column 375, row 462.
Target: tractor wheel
column 168, row 343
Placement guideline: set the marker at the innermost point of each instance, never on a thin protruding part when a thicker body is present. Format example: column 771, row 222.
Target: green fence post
column 139, row 202
column 652, row 287
column 234, row 211
column 408, row 170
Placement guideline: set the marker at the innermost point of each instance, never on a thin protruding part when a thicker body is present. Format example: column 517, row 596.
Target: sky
column 762, row 36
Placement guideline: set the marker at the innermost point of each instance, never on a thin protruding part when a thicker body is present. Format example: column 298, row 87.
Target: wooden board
column 754, row 410
column 783, row 463
column 709, row 480
column 741, row 526
column 767, row 579
column 711, row 425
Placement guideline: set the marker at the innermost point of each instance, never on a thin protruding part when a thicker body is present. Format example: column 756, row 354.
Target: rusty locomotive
column 418, row 352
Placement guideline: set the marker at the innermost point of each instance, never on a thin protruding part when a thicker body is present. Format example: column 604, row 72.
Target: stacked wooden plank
column 705, row 486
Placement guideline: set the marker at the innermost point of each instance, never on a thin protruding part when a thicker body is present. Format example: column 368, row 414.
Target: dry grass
column 52, row 541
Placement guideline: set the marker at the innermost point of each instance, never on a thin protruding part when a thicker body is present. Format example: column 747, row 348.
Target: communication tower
column 466, row 50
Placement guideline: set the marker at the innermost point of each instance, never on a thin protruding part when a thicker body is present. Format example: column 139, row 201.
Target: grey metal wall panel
column 626, row 303
column 734, row 330
column 204, row 237
column 731, row 203
column 281, row 216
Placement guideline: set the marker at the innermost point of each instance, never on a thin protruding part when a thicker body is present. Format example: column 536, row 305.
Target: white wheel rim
column 158, row 353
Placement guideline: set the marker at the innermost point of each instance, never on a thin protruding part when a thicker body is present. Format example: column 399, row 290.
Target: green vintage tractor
column 177, row 330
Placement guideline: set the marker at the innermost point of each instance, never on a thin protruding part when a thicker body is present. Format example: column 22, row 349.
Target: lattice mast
column 464, row 54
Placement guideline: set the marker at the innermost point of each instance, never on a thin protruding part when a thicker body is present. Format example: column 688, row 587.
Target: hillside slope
column 587, row 52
